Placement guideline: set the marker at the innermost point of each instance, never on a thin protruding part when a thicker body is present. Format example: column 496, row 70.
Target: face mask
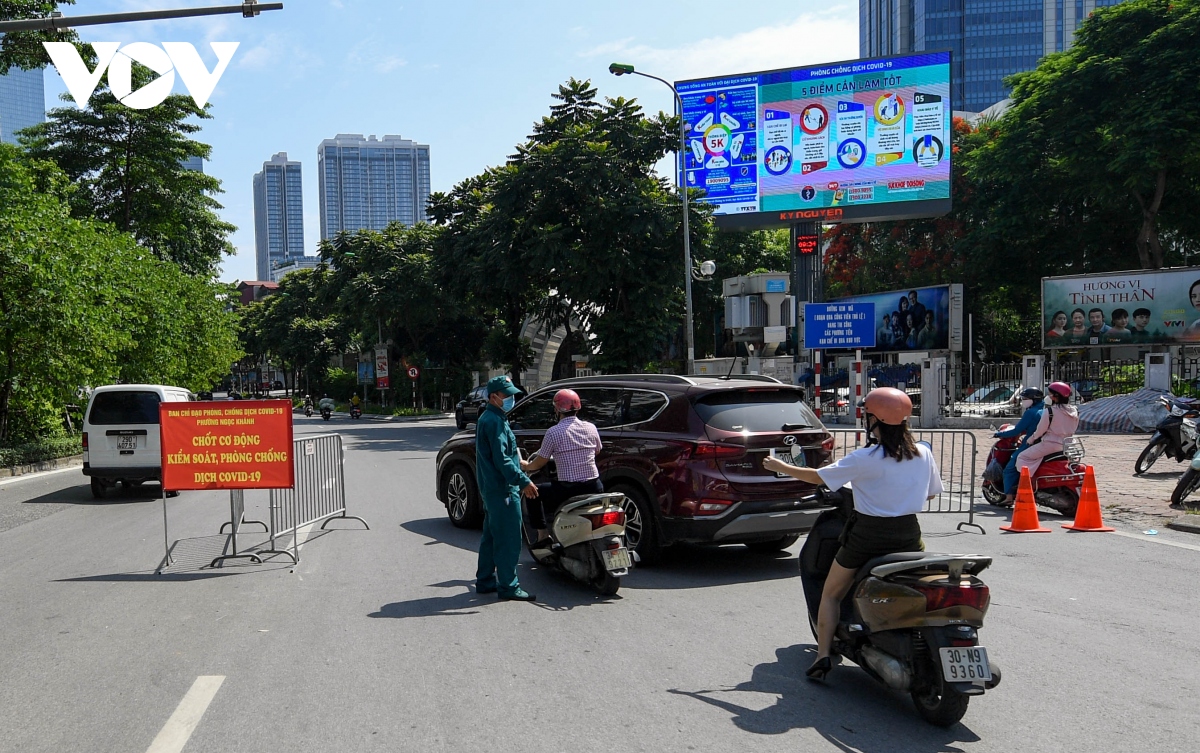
column 1026, row 404
column 1047, row 400
column 509, row 402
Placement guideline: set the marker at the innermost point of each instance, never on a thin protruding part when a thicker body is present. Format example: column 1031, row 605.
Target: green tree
column 577, row 225
column 84, row 305
column 1101, row 147
column 23, row 49
column 297, row 326
column 128, row 167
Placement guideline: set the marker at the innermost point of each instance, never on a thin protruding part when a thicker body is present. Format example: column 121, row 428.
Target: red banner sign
column 242, row 444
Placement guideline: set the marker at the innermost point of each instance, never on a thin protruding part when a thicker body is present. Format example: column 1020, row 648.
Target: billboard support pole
column 816, row 356
column 858, row 389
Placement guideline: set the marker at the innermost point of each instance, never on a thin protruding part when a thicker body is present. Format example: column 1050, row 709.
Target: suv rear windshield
column 111, row 408
column 756, row 411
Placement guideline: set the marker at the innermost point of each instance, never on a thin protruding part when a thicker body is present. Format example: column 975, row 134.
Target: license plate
column 617, row 559
column 965, row 664
column 127, row 442
column 794, row 456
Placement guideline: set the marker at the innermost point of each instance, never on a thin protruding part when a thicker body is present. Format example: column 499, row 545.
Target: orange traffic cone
column 1087, row 514
column 1025, row 517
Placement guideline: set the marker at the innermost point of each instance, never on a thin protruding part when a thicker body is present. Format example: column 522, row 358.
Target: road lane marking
column 40, row 474
column 178, row 729
column 1157, row 540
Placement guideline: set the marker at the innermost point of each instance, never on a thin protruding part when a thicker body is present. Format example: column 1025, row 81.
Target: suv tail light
column 715, row 451
column 976, row 596
column 610, row 518
column 713, row 506
column 85, row 445
column 828, row 444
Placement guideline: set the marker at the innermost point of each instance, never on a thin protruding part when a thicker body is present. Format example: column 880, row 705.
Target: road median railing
column 318, row 496
column 956, row 456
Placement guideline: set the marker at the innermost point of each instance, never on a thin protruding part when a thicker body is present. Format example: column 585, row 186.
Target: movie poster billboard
column 840, row 142
column 1143, row 307
column 915, row 319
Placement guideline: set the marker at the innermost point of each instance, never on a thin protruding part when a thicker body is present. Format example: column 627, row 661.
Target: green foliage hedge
column 35, row 452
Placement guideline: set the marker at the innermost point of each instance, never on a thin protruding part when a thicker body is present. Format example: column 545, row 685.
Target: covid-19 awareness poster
column 855, row 141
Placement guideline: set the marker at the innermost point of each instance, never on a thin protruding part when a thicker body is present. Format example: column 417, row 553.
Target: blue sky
column 467, row 77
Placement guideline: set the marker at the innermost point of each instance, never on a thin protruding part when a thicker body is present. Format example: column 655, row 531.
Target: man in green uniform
column 501, row 483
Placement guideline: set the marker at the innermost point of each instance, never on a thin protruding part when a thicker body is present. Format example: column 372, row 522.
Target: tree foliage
column 576, row 226
column 127, row 165
column 83, row 305
column 23, row 49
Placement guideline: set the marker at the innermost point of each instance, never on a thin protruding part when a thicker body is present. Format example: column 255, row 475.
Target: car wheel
column 462, row 497
column 640, row 535
column 774, row 545
column 98, row 488
column 459, row 420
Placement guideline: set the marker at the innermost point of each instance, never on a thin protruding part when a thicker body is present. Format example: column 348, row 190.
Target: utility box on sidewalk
column 933, row 391
column 1158, row 371
column 1033, row 372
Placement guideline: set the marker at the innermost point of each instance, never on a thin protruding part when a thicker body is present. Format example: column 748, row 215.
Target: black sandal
column 819, row 669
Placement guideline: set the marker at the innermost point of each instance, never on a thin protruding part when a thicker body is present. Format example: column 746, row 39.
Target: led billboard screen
column 843, row 142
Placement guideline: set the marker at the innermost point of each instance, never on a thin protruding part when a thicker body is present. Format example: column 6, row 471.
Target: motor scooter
column 587, row 541
column 911, row 620
column 1174, row 436
column 1188, row 483
column 355, row 411
column 327, row 413
column 308, row 410
column 1056, row 483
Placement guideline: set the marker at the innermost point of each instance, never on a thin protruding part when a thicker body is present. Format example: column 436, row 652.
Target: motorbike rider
column 572, row 444
column 308, row 402
column 1032, row 403
column 892, row 477
column 1058, row 422
column 355, row 401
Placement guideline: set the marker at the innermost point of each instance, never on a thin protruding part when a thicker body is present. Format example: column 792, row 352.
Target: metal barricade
column 956, row 456
column 319, row 493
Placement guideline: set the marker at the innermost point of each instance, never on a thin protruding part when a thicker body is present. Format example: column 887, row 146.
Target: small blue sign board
column 833, row 326
column 776, row 286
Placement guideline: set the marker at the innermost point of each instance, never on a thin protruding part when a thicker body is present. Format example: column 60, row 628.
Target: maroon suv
column 687, row 453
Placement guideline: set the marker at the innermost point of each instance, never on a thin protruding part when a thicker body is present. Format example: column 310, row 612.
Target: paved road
column 375, row 641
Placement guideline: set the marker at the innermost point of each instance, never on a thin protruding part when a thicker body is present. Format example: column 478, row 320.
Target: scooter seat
column 888, row 559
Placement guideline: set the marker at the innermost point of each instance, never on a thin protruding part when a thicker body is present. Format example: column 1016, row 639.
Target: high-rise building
column 22, row 102
column 988, row 39
column 193, row 163
column 366, row 183
column 278, row 214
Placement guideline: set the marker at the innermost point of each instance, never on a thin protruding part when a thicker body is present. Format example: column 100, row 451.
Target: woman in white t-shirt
column 892, row 478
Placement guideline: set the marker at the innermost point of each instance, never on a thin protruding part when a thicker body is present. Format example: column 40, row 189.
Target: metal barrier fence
column 956, row 456
column 319, row 493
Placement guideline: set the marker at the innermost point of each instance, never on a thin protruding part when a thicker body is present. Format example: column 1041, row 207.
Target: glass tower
column 989, row 39
column 366, row 183
column 278, row 214
column 22, row 102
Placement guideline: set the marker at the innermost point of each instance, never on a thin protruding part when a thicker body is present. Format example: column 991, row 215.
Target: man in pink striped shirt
column 572, row 444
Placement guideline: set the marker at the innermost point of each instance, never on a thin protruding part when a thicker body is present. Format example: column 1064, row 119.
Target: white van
column 121, row 440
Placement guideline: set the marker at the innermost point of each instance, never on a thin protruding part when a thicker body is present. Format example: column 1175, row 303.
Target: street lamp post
column 248, row 9
column 621, row 69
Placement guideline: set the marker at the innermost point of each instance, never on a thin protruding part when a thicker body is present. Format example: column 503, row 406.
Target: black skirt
column 866, row 537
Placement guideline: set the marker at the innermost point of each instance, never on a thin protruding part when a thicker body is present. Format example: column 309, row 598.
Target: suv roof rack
column 662, row 378
column 733, row 377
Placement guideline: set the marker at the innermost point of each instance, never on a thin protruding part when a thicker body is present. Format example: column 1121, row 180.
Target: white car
column 121, row 440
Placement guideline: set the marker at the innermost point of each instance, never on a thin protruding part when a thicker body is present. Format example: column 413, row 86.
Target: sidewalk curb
column 41, row 467
column 1186, row 523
